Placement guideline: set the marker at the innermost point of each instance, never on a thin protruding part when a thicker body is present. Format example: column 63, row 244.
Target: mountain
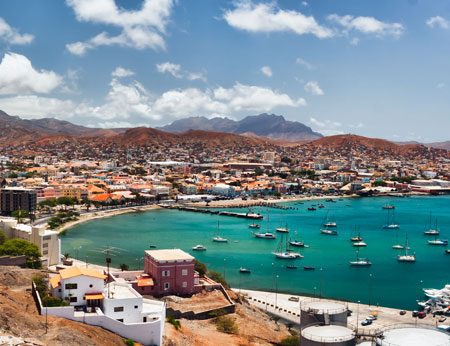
column 268, row 125
column 439, row 145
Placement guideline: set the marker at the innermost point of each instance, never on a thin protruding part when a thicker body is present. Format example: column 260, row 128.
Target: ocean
column 386, row 282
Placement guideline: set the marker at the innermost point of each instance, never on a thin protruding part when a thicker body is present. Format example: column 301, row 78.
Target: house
column 115, row 306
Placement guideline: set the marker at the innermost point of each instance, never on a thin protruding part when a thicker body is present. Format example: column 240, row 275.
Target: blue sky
column 375, row 68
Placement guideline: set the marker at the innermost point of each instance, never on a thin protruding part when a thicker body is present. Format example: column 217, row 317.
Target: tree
column 2, row 237
column 19, row 214
column 216, row 276
column 124, row 267
column 20, row 247
column 66, row 201
column 13, row 175
column 200, row 267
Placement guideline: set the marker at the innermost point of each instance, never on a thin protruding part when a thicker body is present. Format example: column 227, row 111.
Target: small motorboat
column 244, row 270
column 311, row 208
column 359, row 243
column 290, row 266
column 254, row 225
column 388, row 206
column 321, row 205
column 298, row 243
column 266, row 235
column 328, row 231
column 357, row 238
column 199, row 248
column 309, row 268
column 152, row 246
column 447, row 251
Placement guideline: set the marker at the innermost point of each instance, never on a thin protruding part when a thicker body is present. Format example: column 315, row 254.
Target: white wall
column 129, row 313
column 83, row 283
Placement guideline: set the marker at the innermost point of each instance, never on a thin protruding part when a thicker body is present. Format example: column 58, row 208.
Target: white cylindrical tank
column 335, row 335
column 323, row 311
column 413, row 336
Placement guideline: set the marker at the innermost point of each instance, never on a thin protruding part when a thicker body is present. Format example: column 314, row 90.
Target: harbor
column 386, row 281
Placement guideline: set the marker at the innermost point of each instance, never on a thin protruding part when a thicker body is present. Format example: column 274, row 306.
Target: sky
column 374, row 68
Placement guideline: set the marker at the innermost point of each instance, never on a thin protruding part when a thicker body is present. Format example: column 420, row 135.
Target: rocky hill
column 268, row 125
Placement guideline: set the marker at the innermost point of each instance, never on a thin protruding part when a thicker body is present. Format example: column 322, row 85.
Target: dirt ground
column 197, row 303
column 255, row 328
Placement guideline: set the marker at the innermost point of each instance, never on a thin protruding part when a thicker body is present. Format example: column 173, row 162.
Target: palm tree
column 124, row 267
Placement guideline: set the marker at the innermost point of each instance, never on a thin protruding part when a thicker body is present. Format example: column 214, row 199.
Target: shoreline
column 104, row 214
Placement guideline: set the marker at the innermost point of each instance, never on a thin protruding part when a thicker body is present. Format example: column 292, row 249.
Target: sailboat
column 266, row 235
column 359, row 242
column 329, row 223
column 218, row 238
column 431, row 230
column 406, row 257
column 282, row 229
column 438, row 241
column 397, row 246
column 360, row 261
column 298, row 243
column 282, row 251
column 390, row 224
column 356, row 237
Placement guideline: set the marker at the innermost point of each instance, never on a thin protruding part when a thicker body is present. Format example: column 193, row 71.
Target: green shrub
column 226, row 325
column 50, row 301
column 41, row 285
column 292, row 340
column 200, row 267
column 19, row 247
column 217, row 277
column 129, row 342
column 174, row 322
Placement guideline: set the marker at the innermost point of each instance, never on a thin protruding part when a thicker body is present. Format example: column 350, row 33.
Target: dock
column 249, row 215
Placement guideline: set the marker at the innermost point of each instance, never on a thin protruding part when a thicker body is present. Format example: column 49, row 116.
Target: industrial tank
column 323, row 311
column 333, row 335
column 413, row 336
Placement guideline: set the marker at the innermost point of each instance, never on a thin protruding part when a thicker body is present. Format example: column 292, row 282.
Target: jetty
column 249, row 215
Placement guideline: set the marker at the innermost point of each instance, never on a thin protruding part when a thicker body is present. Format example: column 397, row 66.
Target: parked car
column 403, row 312
column 444, row 327
column 371, row 317
column 422, row 314
column 415, row 313
column 293, row 299
column 442, row 319
column 366, row 322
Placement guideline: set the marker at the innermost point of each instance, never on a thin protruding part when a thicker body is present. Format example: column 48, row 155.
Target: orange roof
column 145, row 282
column 96, row 189
column 101, row 197
column 54, row 281
column 77, row 271
column 92, row 296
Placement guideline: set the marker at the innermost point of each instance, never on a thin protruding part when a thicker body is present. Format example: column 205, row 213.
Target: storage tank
column 413, row 336
column 323, row 311
column 333, row 335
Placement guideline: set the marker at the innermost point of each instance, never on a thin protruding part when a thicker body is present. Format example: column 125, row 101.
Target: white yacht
column 360, row 261
column 199, row 248
column 218, row 238
column 406, row 257
column 266, row 235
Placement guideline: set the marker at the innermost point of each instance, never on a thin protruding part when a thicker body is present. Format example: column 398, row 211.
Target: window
column 118, row 309
column 166, row 273
column 184, row 284
column 73, row 299
column 47, row 237
column 45, row 245
column 90, row 285
column 184, row 272
column 45, row 252
column 135, row 306
column 71, row 286
column 166, row 285
column 59, row 290
column 120, row 320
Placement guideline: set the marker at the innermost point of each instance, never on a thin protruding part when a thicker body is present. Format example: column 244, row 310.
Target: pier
column 249, row 215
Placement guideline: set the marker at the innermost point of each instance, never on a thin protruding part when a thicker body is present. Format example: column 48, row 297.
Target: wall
column 13, row 261
column 83, row 283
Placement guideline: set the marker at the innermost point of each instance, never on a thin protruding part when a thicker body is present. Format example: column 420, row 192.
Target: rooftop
column 78, row 271
column 169, row 255
column 120, row 291
column 410, row 336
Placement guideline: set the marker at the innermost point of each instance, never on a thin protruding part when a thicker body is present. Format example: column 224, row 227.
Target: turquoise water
column 392, row 283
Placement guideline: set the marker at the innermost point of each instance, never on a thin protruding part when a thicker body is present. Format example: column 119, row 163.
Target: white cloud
column 176, row 71
column 267, row 71
column 354, row 41
column 173, row 69
column 11, row 35
column 304, row 3
column 303, row 62
column 438, row 21
column 313, row 88
column 441, row 85
column 17, row 76
column 122, row 72
column 269, row 18
column 367, row 25
column 141, row 29
column 327, row 127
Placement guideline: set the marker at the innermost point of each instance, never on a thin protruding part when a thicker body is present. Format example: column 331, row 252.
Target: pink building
column 172, row 271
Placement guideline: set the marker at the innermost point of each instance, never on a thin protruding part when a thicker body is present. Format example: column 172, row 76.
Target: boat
column 359, row 242
column 291, row 266
column 254, row 225
column 388, row 206
column 311, row 208
column 298, row 243
column 152, row 246
column 397, row 245
column 218, row 238
column 390, row 223
column 266, row 235
column 309, row 268
column 406, row 257
column 432, row 230
column 438, row 241
column 321, row 205
column 282, row 229
column 356, row 237
column 244, row 270
column 199, row 248
column 283, row 252
column 447, row 251
column 362, row 262
column 328, row 231
column 329, row 223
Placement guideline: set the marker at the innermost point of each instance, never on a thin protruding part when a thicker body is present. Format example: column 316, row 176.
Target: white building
column 46, row 240
column 114, row 306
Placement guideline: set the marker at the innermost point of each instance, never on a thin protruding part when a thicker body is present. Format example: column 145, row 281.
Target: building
column 114, row 306
column 269, row 156
column 172, row 271
column 15, row 198
column 46, row 240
